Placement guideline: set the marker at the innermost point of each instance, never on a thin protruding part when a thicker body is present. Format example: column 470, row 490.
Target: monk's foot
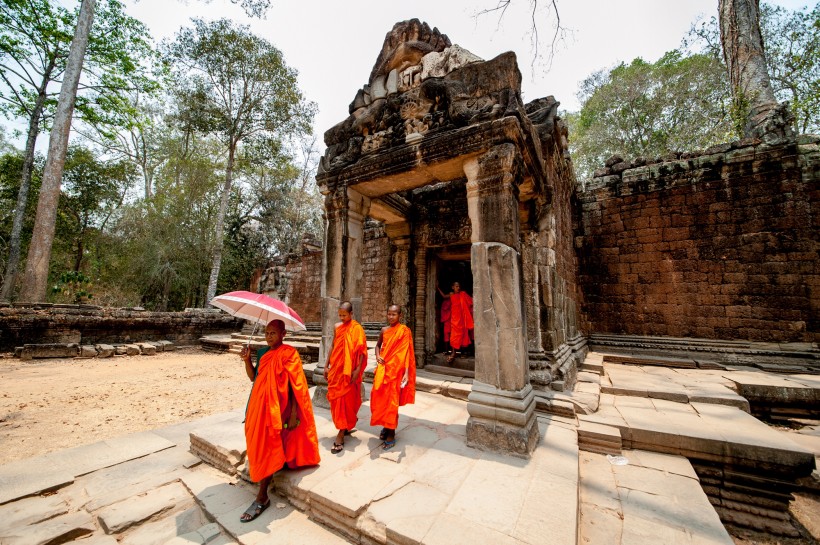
column 256, row 509
column 389, row 443
column 383, row 434
column 337, row 448
column 451, row 357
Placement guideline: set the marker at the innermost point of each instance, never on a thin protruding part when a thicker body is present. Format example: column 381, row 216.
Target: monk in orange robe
column 344, row 371
column 394, row 383
column 279, row 425
column 460, row 319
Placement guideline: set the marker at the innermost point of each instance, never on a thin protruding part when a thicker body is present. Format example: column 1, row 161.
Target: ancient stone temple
column 469, row 184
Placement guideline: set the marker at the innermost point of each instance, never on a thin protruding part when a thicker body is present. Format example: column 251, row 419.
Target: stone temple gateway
column 470, row 184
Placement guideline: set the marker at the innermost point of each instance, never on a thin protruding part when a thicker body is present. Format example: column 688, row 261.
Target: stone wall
column 721, row 244
column 87, row 324
column 375, row 269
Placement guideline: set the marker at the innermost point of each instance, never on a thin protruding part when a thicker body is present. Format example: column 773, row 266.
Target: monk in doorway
column 344, row 371
column 279, row 425
column 394, row 383
column 460, row 320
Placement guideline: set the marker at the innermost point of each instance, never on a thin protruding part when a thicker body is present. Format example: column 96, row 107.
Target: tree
column 34, row 48
column 236, row 86
column 650, row 109
column 792, row 41
column 39, row 252
column 92, row 191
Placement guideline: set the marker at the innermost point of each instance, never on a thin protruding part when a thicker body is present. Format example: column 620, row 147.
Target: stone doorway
column 451, row 264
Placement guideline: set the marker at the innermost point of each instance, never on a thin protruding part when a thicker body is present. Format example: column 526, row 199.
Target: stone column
column 529, row 256
column 501, row 404
column 399, row 235
column 345, row 210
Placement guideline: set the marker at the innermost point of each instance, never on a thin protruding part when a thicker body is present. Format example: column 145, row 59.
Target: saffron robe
column 387, row 394
column 344, row 392
column 270, row 444
column 461, row 319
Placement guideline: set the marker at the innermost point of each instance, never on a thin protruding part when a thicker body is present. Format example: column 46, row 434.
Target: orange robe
column 387, row 394
column 344, row 394
column 270, row 445
column 461, row 319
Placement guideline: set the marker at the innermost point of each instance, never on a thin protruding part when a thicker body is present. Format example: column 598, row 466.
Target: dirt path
column 47, row 405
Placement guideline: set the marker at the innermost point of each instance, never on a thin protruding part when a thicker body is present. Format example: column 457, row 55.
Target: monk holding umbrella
column 279, row 426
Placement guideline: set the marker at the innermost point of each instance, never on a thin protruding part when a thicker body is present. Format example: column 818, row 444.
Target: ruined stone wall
column 305, row 284
column 375, row 269
column 717, row 245
column 86, row 324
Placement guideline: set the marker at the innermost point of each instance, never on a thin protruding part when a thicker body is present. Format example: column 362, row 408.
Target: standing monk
column 394, row 383
column 460, row 319
column 279, row 425
column 343, row 372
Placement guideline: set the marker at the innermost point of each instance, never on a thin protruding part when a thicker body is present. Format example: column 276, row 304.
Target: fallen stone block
column 221, row 445
column 147, row 349
column 54, row 350
column 120, row 350
column 132, row 350
column 30, row 511
column 60, row 529
column 120, row 516
column 104, row 350
column 167, row 346
column 87, row 351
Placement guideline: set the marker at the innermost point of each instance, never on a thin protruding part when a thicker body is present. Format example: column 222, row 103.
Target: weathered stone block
column 501, row 350
column 87, row 351
column 147, row 349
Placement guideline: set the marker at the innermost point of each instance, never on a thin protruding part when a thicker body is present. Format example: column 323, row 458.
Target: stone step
column 718, row 436
column 60, row 529
column 450, row 371
column 430, row 489
column 653, row 498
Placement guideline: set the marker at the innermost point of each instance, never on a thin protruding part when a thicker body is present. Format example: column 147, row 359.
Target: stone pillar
column 529, row 256
column 501, row 404
column 345, row 210
column 399, row 273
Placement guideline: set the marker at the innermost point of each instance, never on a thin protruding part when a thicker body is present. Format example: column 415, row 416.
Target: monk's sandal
column 254, row 511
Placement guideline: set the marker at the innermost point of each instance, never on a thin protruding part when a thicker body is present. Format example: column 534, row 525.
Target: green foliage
column 234, row 84
column 649, row 109
column 792, row 45
column 73, row 286
column 35, row 36
column 11, row 165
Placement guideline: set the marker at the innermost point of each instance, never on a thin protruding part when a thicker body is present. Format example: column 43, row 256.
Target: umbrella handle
column 255, row 327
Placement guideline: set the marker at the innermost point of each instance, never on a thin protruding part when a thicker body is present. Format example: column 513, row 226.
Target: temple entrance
column 452, row 264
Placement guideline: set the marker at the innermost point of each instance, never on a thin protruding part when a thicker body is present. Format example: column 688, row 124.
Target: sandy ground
column 52, row 404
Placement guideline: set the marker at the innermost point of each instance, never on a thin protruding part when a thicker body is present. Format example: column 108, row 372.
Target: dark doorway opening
column 453, row 265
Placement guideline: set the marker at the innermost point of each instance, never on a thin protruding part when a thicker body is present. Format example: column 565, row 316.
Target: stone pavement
column 431, row 488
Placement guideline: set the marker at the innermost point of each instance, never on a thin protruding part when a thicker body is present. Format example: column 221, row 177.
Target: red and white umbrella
column 258, row 308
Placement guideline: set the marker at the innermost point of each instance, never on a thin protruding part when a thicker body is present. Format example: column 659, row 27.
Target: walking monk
column 279, row 425
column 394, row 383
column 459, row 324
column 343, row 372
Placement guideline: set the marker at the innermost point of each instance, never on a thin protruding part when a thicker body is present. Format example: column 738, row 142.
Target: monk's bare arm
column 379, row 359
column 445, row 295
column 245, row 354
column 330, row 348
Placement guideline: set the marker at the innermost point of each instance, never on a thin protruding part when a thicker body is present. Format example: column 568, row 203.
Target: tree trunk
column 755, row 104
column 39, row 253
column 15, row 241
column 220, row 226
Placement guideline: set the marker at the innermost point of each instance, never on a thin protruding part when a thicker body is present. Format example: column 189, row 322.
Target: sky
column 333, row 44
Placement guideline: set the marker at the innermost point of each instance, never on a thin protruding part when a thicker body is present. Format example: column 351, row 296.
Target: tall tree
column 236, row 85
column 763, row 116
column 650, row 109
column 35, row 36
column 39, row 253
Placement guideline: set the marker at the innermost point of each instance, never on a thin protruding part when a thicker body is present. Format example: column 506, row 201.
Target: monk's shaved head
column 346, row 306
column 278, row 325
column 396, row 308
